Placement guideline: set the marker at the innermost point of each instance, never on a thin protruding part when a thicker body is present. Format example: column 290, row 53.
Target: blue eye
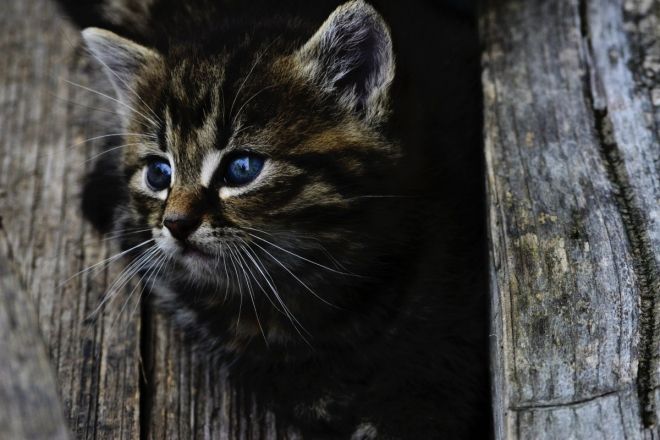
column 159, row 175
column 243, row 169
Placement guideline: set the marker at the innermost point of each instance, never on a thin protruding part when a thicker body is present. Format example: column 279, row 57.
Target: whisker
column 251, row 294
column 124, row 233
column 124, row 83
column 138, row 286
column 238, row 282
column 112, row 135
column 310, row 238
column 227, row 278
column 300, row 256
column 256, row 281
column 160, row 263
column 256, row 62
column 147, row 118
column 107, row 260
column 287, row 312
column 124, row 277
column 238, row 113
column 309, row 289
column 88, row 107
column 109, row 150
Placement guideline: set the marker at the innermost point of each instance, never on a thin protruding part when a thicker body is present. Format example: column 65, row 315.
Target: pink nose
column 181, row 226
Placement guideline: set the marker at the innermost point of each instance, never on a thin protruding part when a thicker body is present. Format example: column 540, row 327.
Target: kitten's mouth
column 190, row 250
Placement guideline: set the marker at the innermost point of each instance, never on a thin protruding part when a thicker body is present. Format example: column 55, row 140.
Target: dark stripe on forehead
column 190, row 115
column 162, row 143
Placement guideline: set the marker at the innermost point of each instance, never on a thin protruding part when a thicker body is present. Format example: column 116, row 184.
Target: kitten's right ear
column 122, row 60
column 351, row 55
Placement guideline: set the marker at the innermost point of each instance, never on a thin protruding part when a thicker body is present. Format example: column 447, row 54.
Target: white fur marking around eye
column 233, row 191
column 170, row 158
column 209, row 166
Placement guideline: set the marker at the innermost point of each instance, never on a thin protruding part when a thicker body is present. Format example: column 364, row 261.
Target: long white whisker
column 286, row 312
column 125, row 84
column 89, row 107
column 238, row 113
column 227, row 278
column 124, row 277
column 300, row 256
column 109, row 150
column 255, row 279
column 138, row 286
column 160, row 263
column 294, row 276
column 251, row 294
column 111, row 135
column 107, row 260
column 147, row 118
column 311, row 238
column 238, row 282
column 256, row 62
column 124, row 233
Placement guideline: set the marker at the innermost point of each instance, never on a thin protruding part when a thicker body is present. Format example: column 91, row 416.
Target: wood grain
column 572, row 151
column 29, row 401
column 44, row 121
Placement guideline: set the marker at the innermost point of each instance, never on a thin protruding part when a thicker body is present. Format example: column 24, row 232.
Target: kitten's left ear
column 351, row 54
column 122, row 60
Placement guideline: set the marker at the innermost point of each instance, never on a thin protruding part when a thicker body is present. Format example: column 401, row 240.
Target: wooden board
column 29, row 401
column 43, row 159
column 573, row 180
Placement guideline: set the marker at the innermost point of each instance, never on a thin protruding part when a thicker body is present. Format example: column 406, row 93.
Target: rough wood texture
column 573, row 174
column 96, row 362
column 29, row 402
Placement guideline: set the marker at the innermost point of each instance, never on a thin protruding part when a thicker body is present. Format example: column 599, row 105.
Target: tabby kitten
column 293, row 223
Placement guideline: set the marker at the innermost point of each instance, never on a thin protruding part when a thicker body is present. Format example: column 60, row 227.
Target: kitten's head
column 250, row 159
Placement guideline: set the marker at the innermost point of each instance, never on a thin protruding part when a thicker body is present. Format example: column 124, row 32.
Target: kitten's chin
column 191, row 256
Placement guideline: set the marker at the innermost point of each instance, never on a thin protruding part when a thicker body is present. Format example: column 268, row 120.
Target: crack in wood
column 641, row 249
column 570, row 404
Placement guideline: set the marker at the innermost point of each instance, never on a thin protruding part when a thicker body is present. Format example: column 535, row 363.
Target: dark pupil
column 159, row 175
column 244, row 169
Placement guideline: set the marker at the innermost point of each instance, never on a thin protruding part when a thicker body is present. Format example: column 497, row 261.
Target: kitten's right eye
column 159, row 175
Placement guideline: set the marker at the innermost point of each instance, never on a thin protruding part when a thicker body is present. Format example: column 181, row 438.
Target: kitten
column 308, row 213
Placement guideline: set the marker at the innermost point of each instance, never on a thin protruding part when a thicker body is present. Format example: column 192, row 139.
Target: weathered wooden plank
column 29, row 401
column 41, row 170
column 572, row 175
column 630, row 137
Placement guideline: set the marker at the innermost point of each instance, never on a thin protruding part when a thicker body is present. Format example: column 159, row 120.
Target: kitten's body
column 391, row 337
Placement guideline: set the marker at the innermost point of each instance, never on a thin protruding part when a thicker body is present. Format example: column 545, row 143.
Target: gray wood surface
column 43, row 160
column 572, row 98
column 29, row 402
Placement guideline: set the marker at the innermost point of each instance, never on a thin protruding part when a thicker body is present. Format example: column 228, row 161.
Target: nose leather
column 181, row 226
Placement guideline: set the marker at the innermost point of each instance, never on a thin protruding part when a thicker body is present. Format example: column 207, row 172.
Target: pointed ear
column 351, row 54
column 122, row 59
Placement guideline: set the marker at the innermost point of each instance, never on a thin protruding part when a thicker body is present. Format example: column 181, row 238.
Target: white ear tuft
column 351, row 54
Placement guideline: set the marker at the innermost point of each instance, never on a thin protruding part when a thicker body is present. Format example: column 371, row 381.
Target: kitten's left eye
column 159, row 175
column 243, row 169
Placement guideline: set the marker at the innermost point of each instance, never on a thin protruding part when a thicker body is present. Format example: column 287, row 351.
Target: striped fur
column 318, row 260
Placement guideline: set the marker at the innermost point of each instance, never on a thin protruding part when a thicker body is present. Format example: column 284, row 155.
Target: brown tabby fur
column 344, row 286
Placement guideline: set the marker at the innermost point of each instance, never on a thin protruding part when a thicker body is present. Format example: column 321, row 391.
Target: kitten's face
column 267, row 156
